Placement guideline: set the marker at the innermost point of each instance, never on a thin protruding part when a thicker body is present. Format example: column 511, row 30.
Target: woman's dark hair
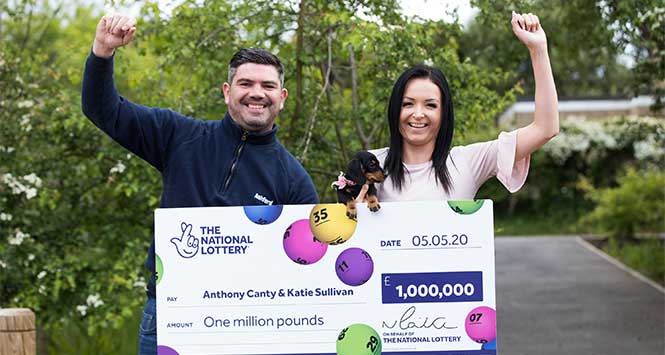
column 393, row 163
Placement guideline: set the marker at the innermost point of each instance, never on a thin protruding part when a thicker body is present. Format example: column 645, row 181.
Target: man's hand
column 113, row 31
column 528, row 30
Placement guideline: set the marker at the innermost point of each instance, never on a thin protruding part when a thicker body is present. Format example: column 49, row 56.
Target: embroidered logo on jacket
column 263, row 199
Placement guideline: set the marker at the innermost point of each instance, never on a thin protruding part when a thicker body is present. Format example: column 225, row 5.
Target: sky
column 439, row 9
column 428, row 9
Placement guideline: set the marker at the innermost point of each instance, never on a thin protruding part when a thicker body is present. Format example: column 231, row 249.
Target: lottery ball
column 480, row 324
column 330, row 224
column 159, row 268
column 489, row 346
column 354, row 266
column 466, row 206
column 358, row 339
column 165, row 350
column 300, row 244
column 263, row 214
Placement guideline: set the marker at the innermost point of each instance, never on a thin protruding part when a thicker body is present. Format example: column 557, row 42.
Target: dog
column 364, row 168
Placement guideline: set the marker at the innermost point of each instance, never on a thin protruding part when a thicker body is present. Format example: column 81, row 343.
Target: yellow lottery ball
column 330, row 225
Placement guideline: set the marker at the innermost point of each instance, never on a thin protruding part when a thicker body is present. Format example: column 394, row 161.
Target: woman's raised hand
column 527, row 28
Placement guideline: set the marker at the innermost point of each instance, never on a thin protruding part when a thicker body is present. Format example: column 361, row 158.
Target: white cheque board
column 412, row 278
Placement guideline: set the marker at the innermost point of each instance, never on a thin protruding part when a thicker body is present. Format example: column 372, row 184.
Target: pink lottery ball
column 480, row 324
column 300, row 244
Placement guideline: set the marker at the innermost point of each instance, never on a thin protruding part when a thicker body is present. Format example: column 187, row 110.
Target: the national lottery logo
column 186, row 245
column 209, row 241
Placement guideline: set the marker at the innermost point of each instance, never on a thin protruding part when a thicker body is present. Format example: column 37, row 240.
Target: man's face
column 255, row 96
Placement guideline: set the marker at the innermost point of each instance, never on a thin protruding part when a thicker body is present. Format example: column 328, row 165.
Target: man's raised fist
column 113, row 31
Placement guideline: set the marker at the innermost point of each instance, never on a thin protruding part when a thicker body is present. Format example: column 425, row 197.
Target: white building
column 521, row 113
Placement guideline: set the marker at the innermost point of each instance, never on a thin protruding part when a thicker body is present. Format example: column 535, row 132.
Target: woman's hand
column 361, row 195
column 528, row 30
column 545, row 123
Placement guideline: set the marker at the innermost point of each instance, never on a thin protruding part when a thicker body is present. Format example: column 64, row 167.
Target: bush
column 637, row 204
column 645, row 256
column 74, row 207
column 594, row 151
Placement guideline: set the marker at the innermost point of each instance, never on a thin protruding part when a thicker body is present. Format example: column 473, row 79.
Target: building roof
column 582, row 105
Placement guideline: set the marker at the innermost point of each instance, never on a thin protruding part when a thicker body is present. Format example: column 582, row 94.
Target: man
column 233, row 161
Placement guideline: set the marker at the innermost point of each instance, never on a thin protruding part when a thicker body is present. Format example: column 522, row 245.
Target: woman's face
column 420, row 117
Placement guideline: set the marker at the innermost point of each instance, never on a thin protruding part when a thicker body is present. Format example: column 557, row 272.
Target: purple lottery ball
column 300, row 244
column 166, row 350
column 354, row 266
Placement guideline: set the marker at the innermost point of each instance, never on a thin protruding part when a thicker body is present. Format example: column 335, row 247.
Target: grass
column 73, row 339
column 647, row 256
column 536, row 224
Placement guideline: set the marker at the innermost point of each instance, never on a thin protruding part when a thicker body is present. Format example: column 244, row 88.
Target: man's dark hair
column 256, row 56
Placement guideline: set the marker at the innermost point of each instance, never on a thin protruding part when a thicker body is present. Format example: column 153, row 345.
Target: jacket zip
column 236, row 156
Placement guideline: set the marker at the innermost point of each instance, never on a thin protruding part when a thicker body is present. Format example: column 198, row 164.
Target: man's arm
column 147, row 132
column 301, row 189
column 305, row 193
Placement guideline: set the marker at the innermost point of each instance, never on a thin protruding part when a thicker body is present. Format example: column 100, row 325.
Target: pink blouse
column 469, row 167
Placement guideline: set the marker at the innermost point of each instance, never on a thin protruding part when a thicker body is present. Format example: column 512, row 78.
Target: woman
column 419, row 161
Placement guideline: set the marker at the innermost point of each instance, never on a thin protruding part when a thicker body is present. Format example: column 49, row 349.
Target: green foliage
column 74, row 338
column 76, row 209
column 193, row 45
column 647, row 256
column 637, row 204
column 639, row 26
column 580, row 172
column 582, row 48
column 73, row 249
column 530, row 223
column 597, row 151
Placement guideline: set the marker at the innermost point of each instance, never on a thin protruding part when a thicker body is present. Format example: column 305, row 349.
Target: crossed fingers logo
column 186, row 245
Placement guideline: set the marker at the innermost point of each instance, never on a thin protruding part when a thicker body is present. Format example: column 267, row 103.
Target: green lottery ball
column 466, row 206
column 159, row 268
column 358, row 339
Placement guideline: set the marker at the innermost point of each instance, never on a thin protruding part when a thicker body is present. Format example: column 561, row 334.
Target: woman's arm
column 545, row 124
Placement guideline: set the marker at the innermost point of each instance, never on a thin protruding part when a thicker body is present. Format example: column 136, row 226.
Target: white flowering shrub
column 73, row 205
column 643, row 137
column 595, row 151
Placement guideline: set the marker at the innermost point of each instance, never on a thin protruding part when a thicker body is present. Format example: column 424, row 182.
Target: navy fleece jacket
column 203, row 163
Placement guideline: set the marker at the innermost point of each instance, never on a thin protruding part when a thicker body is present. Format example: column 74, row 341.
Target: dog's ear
column 356, row 171
column 363, row 155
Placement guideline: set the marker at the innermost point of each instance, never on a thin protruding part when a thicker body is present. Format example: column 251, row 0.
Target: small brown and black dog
column 364, row 168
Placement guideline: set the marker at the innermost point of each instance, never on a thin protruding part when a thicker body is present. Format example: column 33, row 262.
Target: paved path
column 555, row 296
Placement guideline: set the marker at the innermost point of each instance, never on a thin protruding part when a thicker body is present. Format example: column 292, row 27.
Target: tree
column 73, row 247
column 581, row 45
column 370, row 44
column 639, row 26
column 76, row 209
column 588, row 41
